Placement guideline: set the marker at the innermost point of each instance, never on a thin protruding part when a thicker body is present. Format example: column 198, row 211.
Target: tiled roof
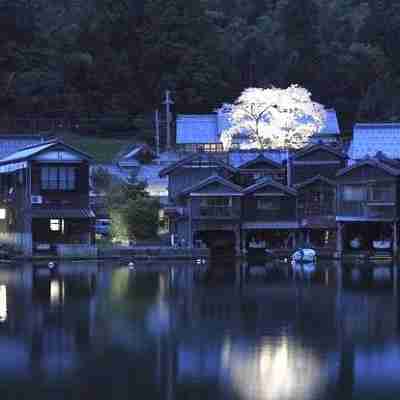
column 269, row 182
column 238, row 158
column 373, row 162
column 369, row 139
column 29, row 151
column 11, row 143
column 197, row 129
column 212, row 179
column 207, row 128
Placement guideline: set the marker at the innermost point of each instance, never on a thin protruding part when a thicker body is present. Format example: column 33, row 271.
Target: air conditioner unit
column 36, row 199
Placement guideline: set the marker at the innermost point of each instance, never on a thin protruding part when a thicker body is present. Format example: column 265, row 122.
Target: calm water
column 106, row 332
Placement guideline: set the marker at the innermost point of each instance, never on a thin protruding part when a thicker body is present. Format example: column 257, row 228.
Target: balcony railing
column 370, row 210
column 218, row 212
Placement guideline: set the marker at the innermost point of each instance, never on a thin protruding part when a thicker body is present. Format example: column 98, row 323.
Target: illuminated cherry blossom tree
column 273, row 117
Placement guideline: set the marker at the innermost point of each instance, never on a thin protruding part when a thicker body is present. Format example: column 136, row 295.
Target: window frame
column 59, row 178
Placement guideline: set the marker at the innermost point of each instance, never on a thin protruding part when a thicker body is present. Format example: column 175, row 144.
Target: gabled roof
column 31, row 151
column 210, row 180
column 197, row 156
column 239, row 157
column 11, row 143
column 371, row 162
column 260, row 158
column 370, row 138
column 315, row 179
column 269, row 182
column 315, row 147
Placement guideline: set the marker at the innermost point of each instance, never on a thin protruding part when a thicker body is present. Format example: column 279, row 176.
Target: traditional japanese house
column 313, row 173
column 269, row 215
column 316, row 208
column 45, row 198
column 186, row 174
column 368, row 211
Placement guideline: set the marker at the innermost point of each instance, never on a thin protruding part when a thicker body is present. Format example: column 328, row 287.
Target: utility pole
column 157, row 126
column 168, row 102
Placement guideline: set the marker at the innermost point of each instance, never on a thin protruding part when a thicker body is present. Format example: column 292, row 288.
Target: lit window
column 57, row 225
column 3, row 303
column 2, row 213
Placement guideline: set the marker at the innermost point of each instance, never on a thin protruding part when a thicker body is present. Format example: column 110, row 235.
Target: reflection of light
column 55, row 291
column 2, row 213
column 274, row 371
column 3, row 303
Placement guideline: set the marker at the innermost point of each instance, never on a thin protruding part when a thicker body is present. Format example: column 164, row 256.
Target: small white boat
column 304, row 256
column 382, row 244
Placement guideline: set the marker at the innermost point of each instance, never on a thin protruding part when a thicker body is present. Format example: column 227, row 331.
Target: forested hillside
column 94, row 56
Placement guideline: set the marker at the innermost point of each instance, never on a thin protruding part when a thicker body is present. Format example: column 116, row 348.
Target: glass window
column 58, row 178
column 381, row 193
column 354, row 193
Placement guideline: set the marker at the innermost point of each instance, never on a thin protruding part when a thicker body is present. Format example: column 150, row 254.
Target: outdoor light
column 2, row 213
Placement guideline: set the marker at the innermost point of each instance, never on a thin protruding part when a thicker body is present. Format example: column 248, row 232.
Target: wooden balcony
column 217, row 212
column 367, row 210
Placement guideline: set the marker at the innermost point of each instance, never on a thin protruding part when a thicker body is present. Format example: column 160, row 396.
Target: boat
column 382, row 244
column 304, row 255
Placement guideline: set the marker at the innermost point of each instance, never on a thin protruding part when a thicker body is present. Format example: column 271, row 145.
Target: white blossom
column 273, row 117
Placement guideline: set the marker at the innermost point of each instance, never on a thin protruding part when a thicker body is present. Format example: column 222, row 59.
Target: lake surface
column 103, row 331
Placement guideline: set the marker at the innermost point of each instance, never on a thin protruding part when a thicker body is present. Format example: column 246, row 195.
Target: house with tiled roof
column 44, row 199
column 202, row 132
column 371, row 138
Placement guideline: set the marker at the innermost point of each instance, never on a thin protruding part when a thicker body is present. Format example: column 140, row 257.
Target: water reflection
column 320, row 332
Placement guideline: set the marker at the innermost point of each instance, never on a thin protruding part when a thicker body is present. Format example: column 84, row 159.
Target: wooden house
column 368, row 205
column 313, row 172
column 45, row 198
column 269, row 215
column 183, row 175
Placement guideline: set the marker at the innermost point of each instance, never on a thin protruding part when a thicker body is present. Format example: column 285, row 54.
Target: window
column 58, row 178
column 2, row 213
column 381, row 193
column 266, row 204
column 354, row 193
column 57, row 225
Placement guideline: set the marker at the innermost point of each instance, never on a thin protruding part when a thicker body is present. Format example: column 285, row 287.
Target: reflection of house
column 45, row 197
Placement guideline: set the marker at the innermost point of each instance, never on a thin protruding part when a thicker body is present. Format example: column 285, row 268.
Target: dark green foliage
column 134, row 214
column 119, row 55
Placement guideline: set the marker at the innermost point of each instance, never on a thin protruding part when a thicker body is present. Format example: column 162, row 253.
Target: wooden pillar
column 339, row 239
column 243, row 242
column 190, row 228
column 237, row 242
column 395, row 239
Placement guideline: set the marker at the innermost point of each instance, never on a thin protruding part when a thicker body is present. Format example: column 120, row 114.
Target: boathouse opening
column 222, row 246
column 368, row 236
